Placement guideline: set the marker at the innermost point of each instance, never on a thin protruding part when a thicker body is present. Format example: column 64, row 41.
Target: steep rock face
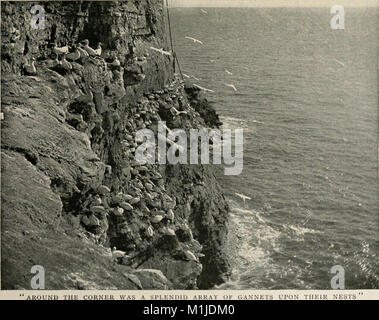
column 71, row 187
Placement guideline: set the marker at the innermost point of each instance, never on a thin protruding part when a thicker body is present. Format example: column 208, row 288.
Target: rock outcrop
column 71, row 188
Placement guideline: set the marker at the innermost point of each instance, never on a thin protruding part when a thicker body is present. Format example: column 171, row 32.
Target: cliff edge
column 70, row 186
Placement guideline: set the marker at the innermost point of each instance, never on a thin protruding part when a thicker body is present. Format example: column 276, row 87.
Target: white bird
column 203, row 11
column 89, row 50
column 231, row 86
column 177, row 113
column 202, row 88
column 194, row 40
column 99, row 49
column 83, row 53
column 73, row 56
column 115, row 63
column 228, row 72
column 65, row 64
column 186, row 76
column 161, row 51
column 30, row 68
column 243, row 197
column 117, row 253
column 339, row 62
column 60, row 50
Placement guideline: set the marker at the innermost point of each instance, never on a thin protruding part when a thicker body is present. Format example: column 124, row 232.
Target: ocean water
column 307, row 101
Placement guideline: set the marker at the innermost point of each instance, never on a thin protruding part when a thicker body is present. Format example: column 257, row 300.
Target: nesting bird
column 73, row 56
column 60, row 50
column 170, row 215
column 83, row 53
column 156, row 219
column 190, row 256
column 30, row 68
column 65, row 64
column 104, row 189
column 117, row 253
column 90, row 51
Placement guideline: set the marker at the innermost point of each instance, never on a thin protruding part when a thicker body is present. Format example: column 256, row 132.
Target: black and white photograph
column 218, row 145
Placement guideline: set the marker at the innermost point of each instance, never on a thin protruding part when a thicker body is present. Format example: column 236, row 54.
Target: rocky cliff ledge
column 71, row 189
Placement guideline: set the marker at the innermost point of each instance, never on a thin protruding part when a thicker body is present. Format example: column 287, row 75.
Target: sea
column 307, row 99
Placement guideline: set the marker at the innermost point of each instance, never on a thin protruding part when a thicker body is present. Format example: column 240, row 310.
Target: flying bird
column 204, row 11
column 204, row 89
column 177, row 113
column 194, row 40
column 228, row 72
column 161, row 51
column 243, row 197
column 339, row 62
column 231, row 86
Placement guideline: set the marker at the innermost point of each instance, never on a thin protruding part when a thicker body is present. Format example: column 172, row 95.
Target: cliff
column 70, row 187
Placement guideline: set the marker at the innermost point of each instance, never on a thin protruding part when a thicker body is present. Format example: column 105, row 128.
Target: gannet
column 204, row 89
column 231, row 86
column 243, row 197
column 99, row 49
column 177, row 113
column 90, row 51
column 60, row 50
column 228, row 72
column 30, row 68
column 117, row 253
column 73, row 56
column 186, row 76
column 161, row 51
column 65, row 64
column 339, row 62
column 203, row 11
column 194, row 40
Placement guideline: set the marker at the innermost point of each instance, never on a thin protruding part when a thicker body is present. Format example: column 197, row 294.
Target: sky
column 272, row 3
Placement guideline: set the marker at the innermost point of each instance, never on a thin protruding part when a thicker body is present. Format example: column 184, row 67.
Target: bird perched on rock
column 73, row 56
column 60, row 50
column 65, row 64
column 117, row 253
column 83, row 53
column 30, row 68
column 90, row 51
column 98, row 49
column 115, row 63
